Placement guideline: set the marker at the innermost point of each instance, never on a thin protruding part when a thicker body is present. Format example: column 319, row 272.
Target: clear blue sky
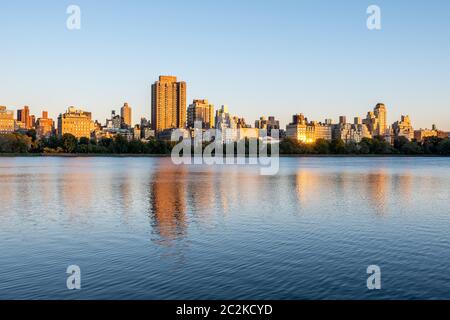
column 259, row 57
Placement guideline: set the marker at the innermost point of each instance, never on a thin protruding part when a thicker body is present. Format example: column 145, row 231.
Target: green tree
column 338, row 146
column 84, row 141
column 322, row 146
column 444, row 147
column 69, row 143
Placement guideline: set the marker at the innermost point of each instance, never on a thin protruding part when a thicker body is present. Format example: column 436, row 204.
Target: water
column 141, row 228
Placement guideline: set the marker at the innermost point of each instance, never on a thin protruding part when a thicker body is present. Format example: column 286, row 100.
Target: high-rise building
column 44, row 125
column 381, row 114
column 376, row 121
column 125, row 113
column 6, row 120
column 201, row 111
column 23, row 116
column 342, row 120
column 168, row 104
column 76, row 122
column 403, row 128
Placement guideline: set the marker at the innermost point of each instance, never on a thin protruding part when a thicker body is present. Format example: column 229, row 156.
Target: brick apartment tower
column 168, row 104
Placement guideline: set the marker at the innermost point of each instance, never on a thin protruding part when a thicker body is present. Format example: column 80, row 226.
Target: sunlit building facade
column 44, row 125
column 6, row 120
column 168, row 104
column 76, row 122
column 308, row 132
column 201, row 111
column 126, row 115
column 403, row 128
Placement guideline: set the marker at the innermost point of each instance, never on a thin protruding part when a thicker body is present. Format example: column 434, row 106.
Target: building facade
column 126, row 114
column 376, row 121
column 44, row 125
column 348, row 132
column 6, row 120
column 308, row 132
column 403, row 128
column 168, row 104
column 267, row 124
column 76, row 122
column 24, row 118
column 201, row 111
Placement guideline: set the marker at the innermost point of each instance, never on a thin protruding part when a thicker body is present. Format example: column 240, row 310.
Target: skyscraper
column 23, row 116
column 376, row 121
column 168, row 104
column 202, row 111
column 380, row 113
column 125, row 113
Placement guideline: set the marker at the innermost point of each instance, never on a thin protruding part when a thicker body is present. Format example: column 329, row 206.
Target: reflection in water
column 225, row 231
column 168, row 201
column 377, row 184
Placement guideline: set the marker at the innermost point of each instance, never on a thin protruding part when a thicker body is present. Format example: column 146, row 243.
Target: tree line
column 16, row 143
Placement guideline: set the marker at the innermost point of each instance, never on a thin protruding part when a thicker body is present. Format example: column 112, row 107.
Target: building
column 24, row 119
column 7, row 124
column 267, row 124
column 403, row 128
column 224, row 120
column 422, row 134
column 126, row 114
column 168, row 104
column 322, row 131
column 376, row 121
column 348, row 132
column 44, row 126
column 308, row 132
column 76, row 122
column 201, row 111
column 115, row 122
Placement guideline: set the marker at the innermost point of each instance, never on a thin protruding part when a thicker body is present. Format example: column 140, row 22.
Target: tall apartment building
column 44, row 125
column 76, row 122
column 381, row 114
column 6, row 120
column 168, row 104
column 24, row 118
column 403, row 128
column 202, row 111
column 376, row 121
column 126, row 114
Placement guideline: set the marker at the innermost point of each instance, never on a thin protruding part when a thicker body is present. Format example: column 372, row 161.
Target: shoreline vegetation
column 15, row 144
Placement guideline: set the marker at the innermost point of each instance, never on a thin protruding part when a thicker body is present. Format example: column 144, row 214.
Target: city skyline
column 316, row 58
column 168, row 97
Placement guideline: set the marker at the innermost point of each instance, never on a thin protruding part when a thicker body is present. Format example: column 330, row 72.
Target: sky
column 260, row 57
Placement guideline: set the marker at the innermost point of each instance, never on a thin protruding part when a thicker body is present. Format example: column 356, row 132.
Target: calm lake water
column 142, row 228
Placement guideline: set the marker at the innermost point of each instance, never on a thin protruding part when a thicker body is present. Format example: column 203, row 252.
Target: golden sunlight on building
column 168, row 104
column 307, row 132
column 6, row 120
column 76, row 122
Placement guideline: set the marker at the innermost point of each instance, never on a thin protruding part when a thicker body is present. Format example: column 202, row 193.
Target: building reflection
column 377, row 188
column 167, row 195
